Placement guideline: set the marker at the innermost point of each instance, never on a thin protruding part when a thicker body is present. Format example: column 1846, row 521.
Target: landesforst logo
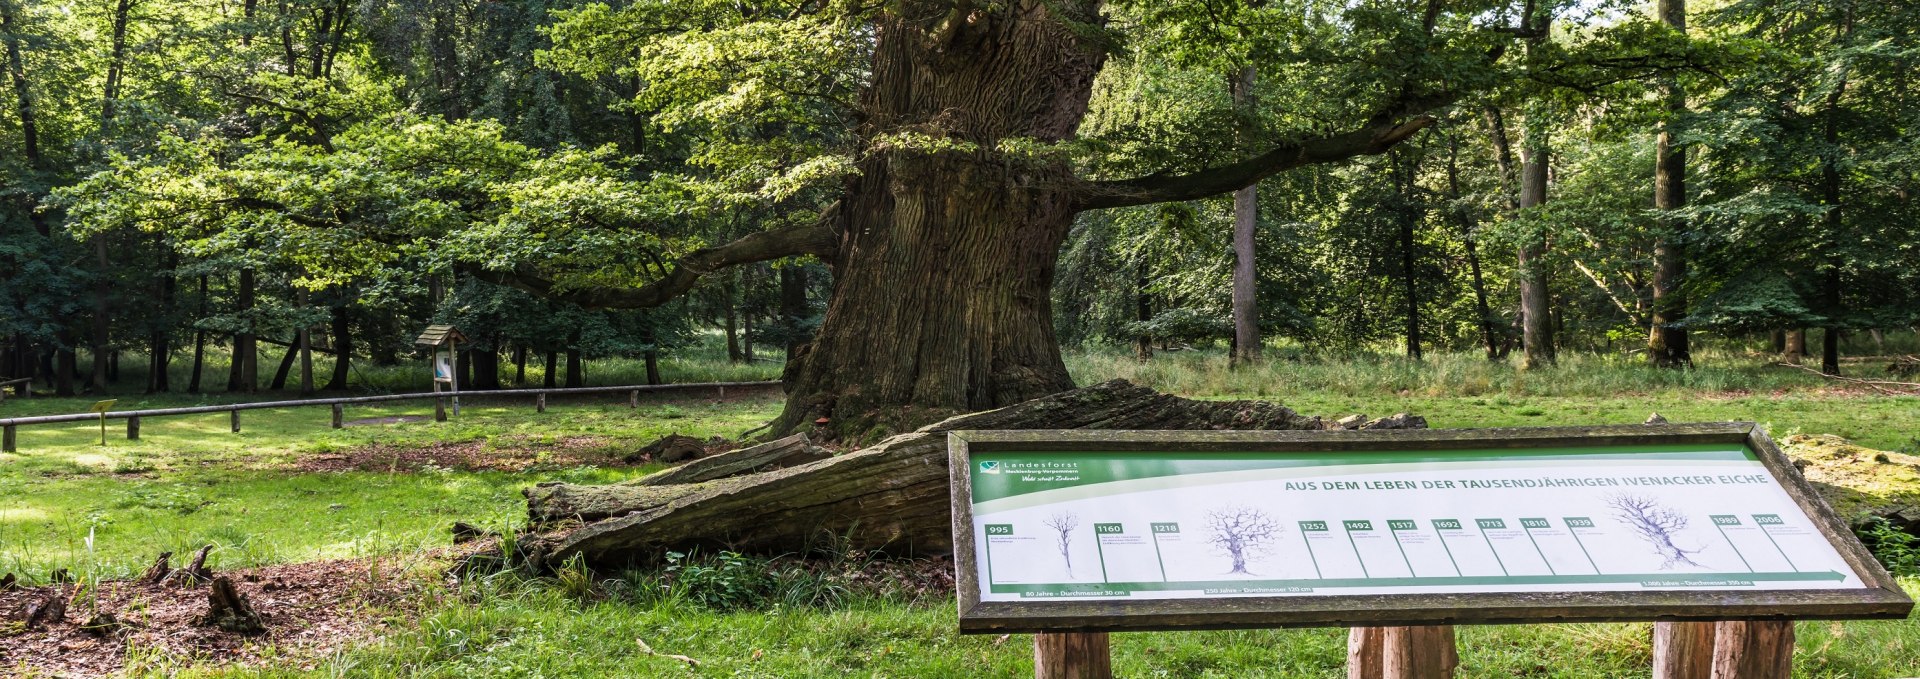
column 989, row 467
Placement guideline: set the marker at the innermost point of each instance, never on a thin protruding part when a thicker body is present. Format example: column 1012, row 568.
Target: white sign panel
column 1092, row 525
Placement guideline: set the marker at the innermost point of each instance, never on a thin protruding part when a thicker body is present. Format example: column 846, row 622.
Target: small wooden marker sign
column 100, row 408
column 1073, row 533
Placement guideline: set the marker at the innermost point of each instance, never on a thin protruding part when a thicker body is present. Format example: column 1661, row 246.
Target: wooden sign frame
column 1881, row 598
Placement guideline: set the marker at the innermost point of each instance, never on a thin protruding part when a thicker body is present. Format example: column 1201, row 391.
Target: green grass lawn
column 190, row 482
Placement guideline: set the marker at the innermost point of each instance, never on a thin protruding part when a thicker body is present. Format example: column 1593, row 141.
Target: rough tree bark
column 889, row 497
column 1535, row 324
column 1246, row 218
column 1667, row 344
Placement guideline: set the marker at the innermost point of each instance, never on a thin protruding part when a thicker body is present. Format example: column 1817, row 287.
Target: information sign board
column 1137, row 530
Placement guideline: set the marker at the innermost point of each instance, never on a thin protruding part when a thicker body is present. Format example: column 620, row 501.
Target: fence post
column 1683, row 650
column 440, row 410
column 1071, row 655
column 723, row 392
column 633, row 399
column 339, row 416
column 133, row 428
column 8, row 442
column 540, row 402
column 235, row 413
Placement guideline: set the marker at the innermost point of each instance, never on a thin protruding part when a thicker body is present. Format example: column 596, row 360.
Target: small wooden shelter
column 436, row 338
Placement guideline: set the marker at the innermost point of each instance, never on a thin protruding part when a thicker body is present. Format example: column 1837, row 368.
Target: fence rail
column 9, row 426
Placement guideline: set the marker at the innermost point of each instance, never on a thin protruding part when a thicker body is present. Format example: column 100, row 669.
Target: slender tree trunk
column 245, row 347
column 102, row 316
column 1536, row 315
column 342, row 331
column 746, row 317
column 24, row 108
column 303, row 339
column 1473, row 255
column 520, row 366
column 1408, row 218
column 729, row 294
column 1142, row 311
column 1667, row 344
column 159, row 344
column 651, row 355
column 552, row 376
column 576, row 374
column 1246, row 211
column 793, row 305
column 1830, row 185
column 286, row 364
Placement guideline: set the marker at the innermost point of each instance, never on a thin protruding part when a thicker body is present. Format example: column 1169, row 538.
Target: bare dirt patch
column 310, row 610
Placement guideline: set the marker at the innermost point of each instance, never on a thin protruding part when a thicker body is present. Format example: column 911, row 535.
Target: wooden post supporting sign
column 1424, row 652
column 1071, row 655
column 1753, row 649
column 1683, row 650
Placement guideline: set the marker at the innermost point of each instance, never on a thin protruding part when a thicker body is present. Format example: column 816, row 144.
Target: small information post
column 1088, row 531
column 100, row 408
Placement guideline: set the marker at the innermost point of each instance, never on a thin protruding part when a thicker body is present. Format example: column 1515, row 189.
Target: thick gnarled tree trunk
column 942, row 300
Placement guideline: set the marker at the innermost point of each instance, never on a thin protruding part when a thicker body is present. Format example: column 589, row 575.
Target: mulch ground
column 310, row 609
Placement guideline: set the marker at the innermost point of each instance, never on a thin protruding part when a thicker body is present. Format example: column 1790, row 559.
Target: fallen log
column 890, row 497
column 551, row 502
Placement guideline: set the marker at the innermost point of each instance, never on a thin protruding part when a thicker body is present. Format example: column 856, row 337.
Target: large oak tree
column 962, row 171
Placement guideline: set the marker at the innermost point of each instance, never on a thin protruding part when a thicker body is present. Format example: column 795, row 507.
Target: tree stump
column 158, row 571
column 8, row 582
column 229, row 610
column 1071, row 655
column 49, row 609
column 195, row 572
column 890, row 497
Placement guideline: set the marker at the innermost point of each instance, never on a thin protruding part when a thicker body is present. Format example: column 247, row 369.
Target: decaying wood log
column 888, row 497
column 229, row 610
column 159, row 570
column 551, row 502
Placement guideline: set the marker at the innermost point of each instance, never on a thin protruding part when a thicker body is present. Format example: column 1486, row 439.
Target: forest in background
column 251, row 176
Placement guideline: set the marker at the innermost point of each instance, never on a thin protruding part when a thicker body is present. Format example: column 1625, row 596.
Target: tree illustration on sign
column 1064, row 523
column 1242, row 534
column 1656, row 524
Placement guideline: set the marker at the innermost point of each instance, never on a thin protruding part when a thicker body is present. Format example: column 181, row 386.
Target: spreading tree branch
column 1378, row 135
column 817, row 240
